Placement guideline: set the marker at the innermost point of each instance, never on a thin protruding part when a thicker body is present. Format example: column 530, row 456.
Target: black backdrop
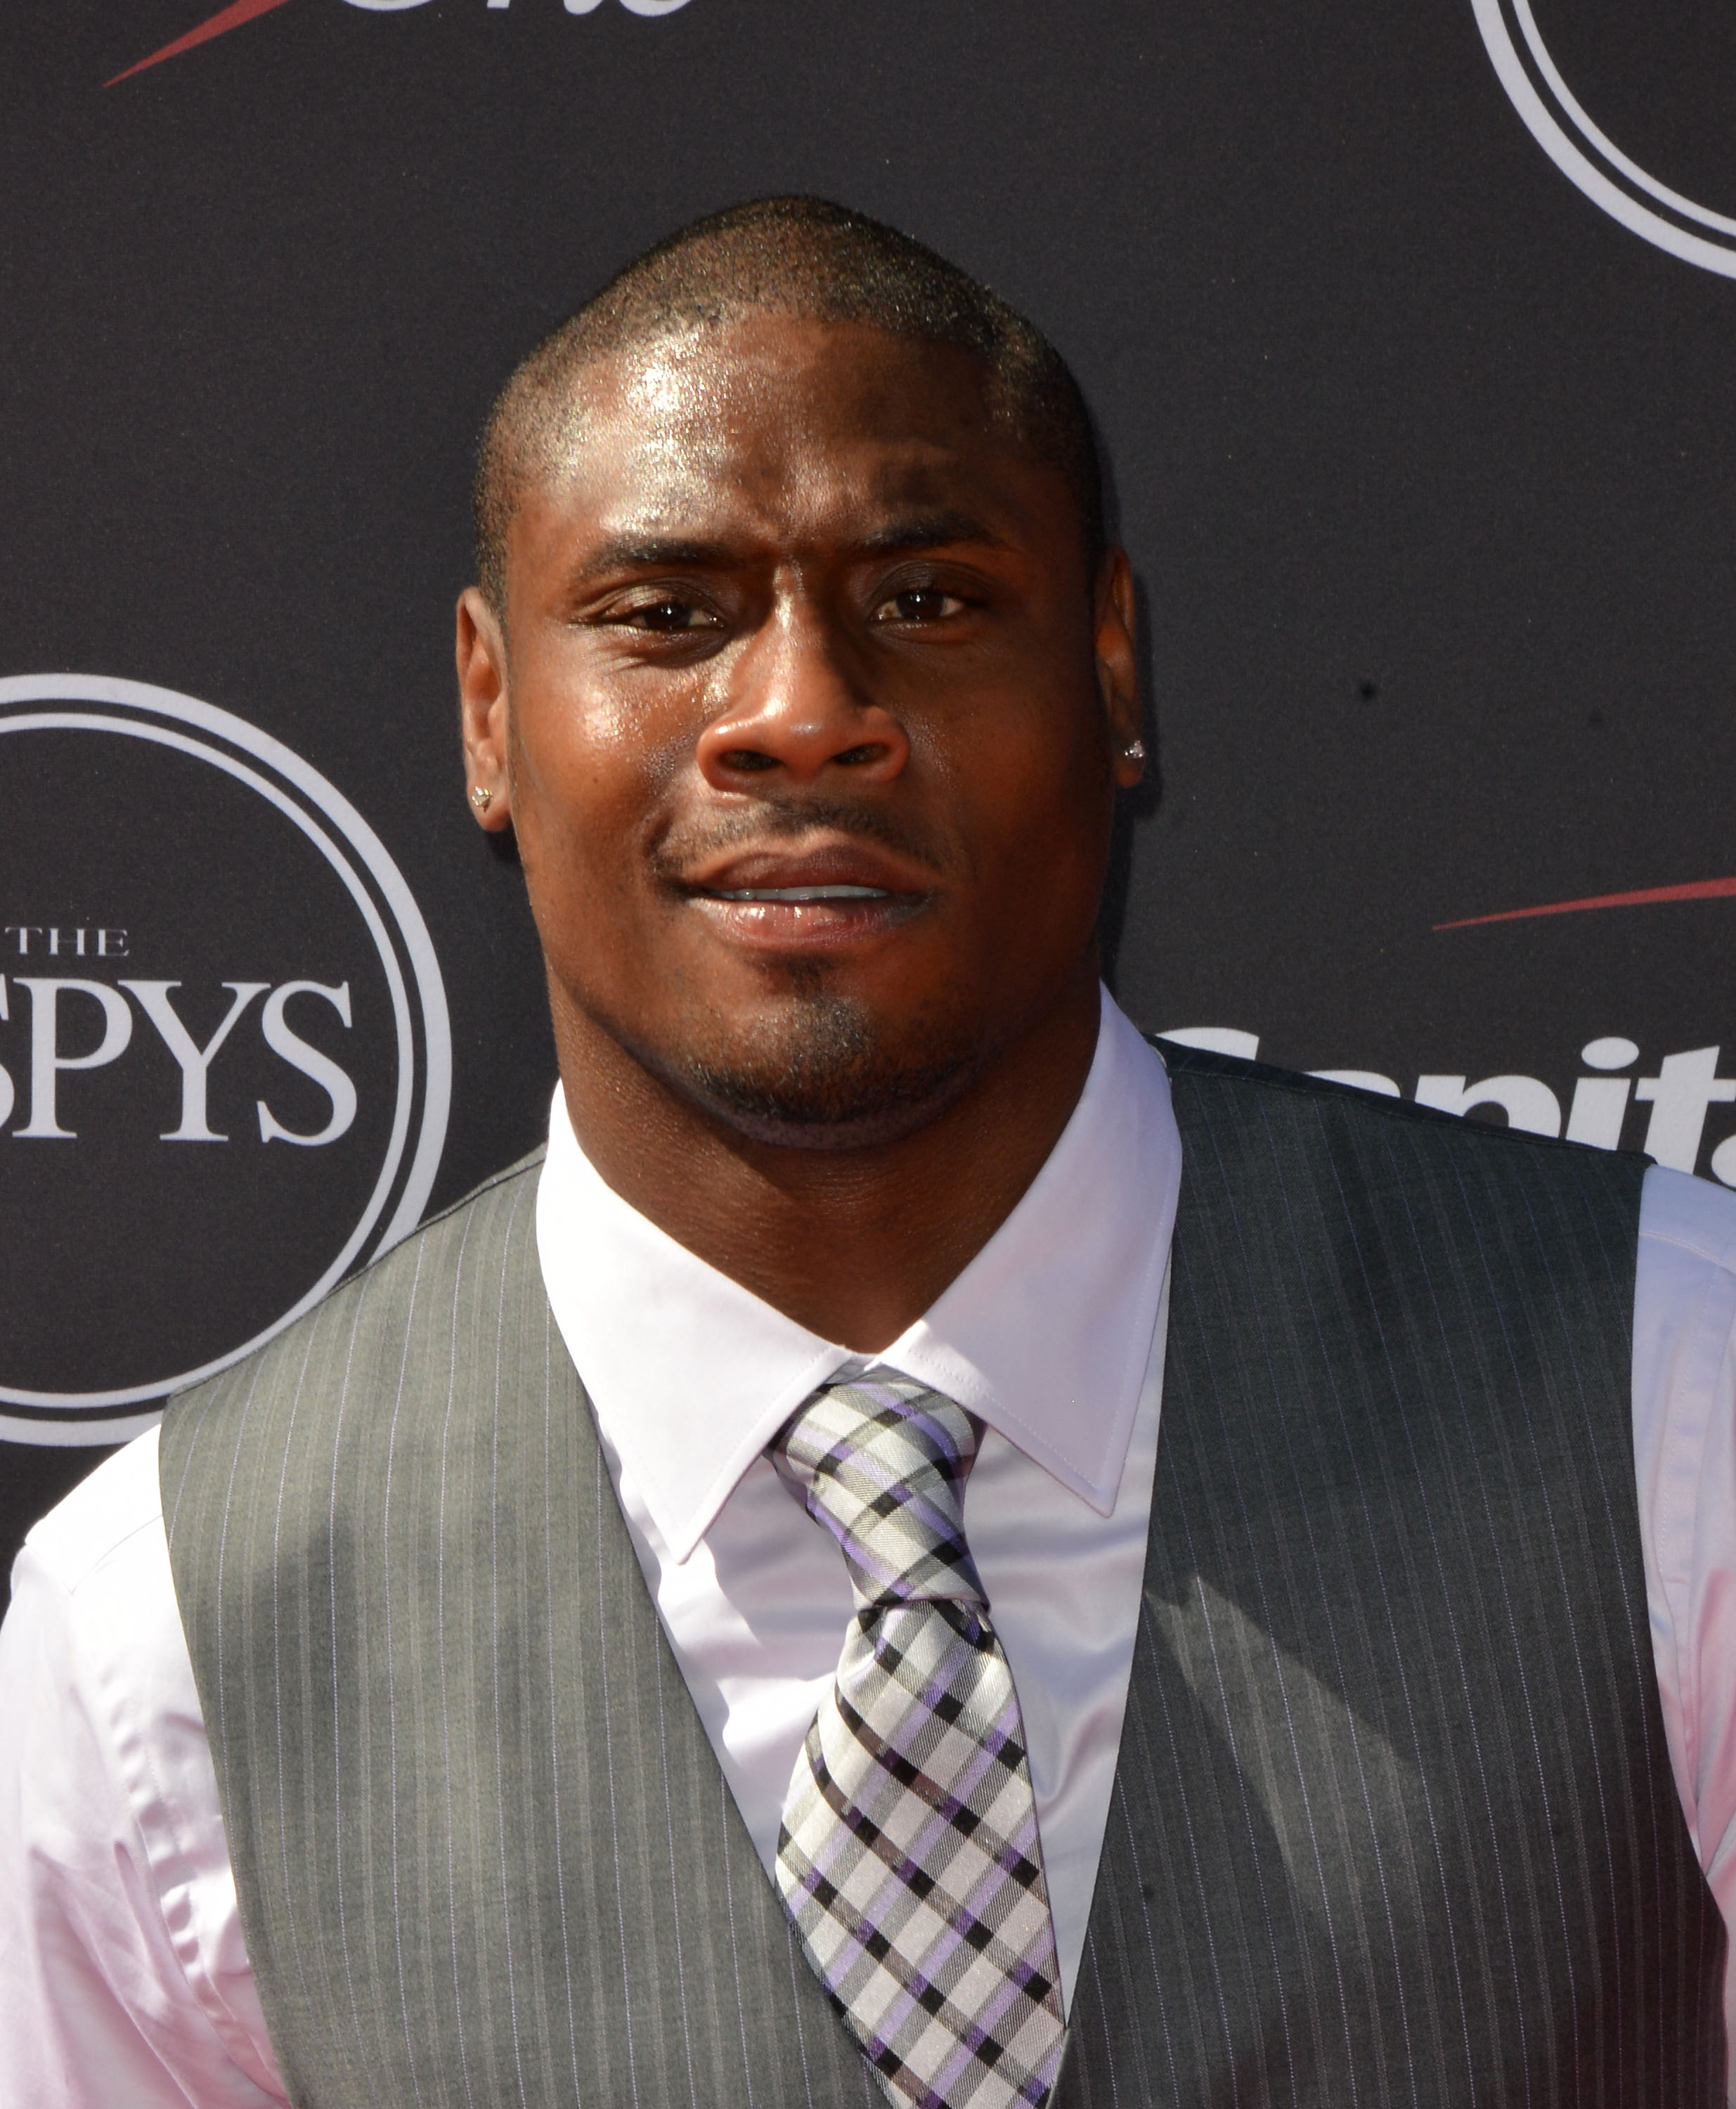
column 1422, row 451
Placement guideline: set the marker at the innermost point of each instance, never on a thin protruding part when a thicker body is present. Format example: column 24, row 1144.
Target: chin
column 826, row 1073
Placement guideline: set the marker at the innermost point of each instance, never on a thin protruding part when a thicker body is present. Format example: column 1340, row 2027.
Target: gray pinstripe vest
column 1394, row 1821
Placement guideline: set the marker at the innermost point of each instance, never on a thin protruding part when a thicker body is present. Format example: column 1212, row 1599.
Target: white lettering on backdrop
column 1681, row 1096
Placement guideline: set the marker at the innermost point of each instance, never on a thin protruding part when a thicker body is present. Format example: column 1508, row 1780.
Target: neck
column 855, row 1243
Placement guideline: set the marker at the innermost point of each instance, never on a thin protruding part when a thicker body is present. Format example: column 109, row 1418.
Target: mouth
column 800, row 893
column 829, row 898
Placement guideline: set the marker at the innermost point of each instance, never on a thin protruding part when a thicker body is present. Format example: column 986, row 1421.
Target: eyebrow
column 631, row 552
column 916, row 530
column 929, row 531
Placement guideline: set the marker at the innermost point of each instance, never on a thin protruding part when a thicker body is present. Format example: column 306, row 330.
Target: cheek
column 589, row 782
column 1039, row 800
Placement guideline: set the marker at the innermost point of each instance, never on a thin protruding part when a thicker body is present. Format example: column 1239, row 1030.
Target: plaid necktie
column 908, row 1856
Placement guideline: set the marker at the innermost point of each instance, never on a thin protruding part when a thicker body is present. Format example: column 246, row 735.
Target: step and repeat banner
column 1412, row 336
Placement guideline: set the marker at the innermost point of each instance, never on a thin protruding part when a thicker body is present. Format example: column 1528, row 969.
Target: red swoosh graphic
column 230, row 17
column 1699, row 889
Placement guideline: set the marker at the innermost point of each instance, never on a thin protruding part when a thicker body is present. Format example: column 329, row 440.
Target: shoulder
column 1692, row 1218
column 103, row 1522
column 1199, row 1078
column 1684, row 1310
column 499, row 1200
column 115, row 1516
column 94, row 1622
column 389, row 1364
column 1201, row 1071
column 417, row 1272
column 503, row 1203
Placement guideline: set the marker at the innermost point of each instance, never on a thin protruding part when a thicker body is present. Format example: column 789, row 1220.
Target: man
column 768, row 1483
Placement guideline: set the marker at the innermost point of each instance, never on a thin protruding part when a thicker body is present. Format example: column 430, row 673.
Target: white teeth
column 805, row 893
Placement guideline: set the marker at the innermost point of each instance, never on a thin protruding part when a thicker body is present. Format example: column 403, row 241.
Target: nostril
column 748, row 760
column 853, row 758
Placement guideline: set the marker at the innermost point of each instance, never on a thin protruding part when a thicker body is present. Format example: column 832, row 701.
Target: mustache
column 779, row 821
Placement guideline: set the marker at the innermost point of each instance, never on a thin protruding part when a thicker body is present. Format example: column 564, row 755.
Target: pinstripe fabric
column 1394, row 1821
column 483, row 1852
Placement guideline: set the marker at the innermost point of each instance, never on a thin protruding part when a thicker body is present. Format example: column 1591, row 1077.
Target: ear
column 482, row 710
column 1118, row 666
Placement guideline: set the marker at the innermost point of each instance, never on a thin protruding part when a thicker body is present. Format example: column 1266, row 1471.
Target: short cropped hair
column 788, row 256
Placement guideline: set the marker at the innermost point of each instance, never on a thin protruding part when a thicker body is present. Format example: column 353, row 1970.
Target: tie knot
column 881, row 1461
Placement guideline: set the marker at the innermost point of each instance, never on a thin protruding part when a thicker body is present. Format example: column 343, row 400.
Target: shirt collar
column 1045, row 1335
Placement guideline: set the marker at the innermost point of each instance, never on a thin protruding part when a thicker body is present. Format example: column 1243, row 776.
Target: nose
column 797, row 709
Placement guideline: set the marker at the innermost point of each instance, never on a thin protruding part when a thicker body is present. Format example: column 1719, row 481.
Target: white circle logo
column 225, row 1058
column 1586, row 157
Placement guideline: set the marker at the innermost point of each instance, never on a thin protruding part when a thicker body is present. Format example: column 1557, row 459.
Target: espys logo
column 1586, row 156
column 225, row 1062
column 240, row 11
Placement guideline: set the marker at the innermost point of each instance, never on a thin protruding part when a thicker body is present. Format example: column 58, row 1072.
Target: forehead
column 793, row 426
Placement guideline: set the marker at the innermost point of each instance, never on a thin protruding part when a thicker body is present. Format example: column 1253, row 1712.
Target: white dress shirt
column 1048, row 1336
column 123, row 1980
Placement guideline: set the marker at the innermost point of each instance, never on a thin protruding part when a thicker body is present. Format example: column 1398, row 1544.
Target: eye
column 919, row 604
column 668, row 615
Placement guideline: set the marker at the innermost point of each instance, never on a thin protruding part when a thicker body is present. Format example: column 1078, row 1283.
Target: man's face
column 807, row 718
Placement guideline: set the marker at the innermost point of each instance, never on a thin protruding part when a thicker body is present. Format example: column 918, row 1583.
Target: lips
column 829, row 897
column 801, row 893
